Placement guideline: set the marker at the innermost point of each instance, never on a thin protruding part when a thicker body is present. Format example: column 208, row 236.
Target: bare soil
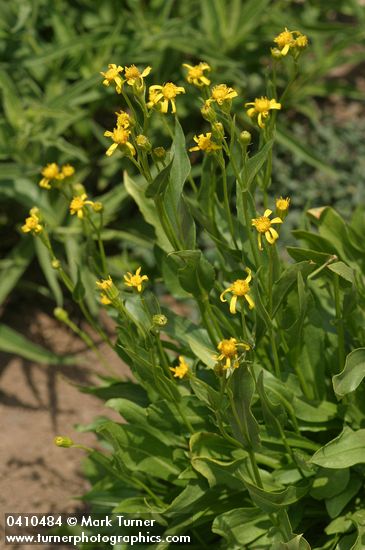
column 38, row 402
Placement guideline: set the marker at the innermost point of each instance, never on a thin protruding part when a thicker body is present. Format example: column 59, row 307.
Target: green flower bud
column 98, row 207
column 276, row 53
column 61, row 441
column 245, row 138
column 61, row 314
column 219, row 370
column 208, row 113
column 143, row 142
column 159, row 153
column 56, row 264
column 159, row 320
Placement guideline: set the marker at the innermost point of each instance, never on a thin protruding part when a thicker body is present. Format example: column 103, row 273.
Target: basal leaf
column 352, row 375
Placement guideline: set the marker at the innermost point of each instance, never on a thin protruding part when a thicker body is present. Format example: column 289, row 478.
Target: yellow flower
column 221, row 93
column 49, row 173
column 164, row 94
column 104, row 299
column 105, row 284
column 135, row 280
column 123, row 119
column 196, row 74
column 112, row 75
column 67, row 170
column 133, row 75
column 32, row 223
column 229, row 352
column 261, row 107
column 287, row 40
column 301, row 41
column 240, row 289
column 120, row 137
column 282, row 206
column 263, row 225
column 205, row 143
column 77, row 205
column 182, row 368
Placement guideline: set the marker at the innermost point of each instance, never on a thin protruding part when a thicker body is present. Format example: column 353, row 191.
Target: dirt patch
column 38, row 402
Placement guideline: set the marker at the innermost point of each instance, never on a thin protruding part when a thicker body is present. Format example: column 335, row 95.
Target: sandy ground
column 38, row 402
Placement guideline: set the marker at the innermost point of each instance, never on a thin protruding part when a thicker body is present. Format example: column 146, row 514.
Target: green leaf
column 17, row 262
column 298, row 542
column 333, row 228
column 196, row 274
column 181, row 163
column 274, row 501
column 13, row 342
column 287, row 281
column 337, row 503
column 241, row 526
column 147, row 209
column 343, row 271
column 301, row 254
column 344, row 451
column 329, row 482
column 79, row 290
column 205, row 393
column 243, row 387
column 160, row 183
column 139, row 451
column 273, row 413
column 254, row 165
column 352, row 375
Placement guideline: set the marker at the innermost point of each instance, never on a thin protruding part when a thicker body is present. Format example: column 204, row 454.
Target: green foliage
column 244, row 421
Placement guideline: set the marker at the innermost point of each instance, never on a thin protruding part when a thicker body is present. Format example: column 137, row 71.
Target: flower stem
column 339, row 323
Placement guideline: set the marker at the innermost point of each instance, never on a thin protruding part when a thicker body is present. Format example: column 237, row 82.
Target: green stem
column 339, row 323
column 255, row 468
column 226, row 201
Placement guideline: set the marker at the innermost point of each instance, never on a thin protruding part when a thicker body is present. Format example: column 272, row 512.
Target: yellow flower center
column 169, row 90
column 77, row 203
column 32, row 222
column 240, row 287
column 131, row 72
column 282, row 204
column 195, row 72
column 262, row 104
column 204, row 143
column 228, row 348
column 220, row 91
column 284, row 38
column 262, row 224
column 120, row 135
column 50, row 171
column 136, row 280
column 111, row 73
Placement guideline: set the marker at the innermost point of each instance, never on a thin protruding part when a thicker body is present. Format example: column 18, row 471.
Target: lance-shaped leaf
column 344, row 451
column 352, row 375
column 274, row 413
column 244, row 425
